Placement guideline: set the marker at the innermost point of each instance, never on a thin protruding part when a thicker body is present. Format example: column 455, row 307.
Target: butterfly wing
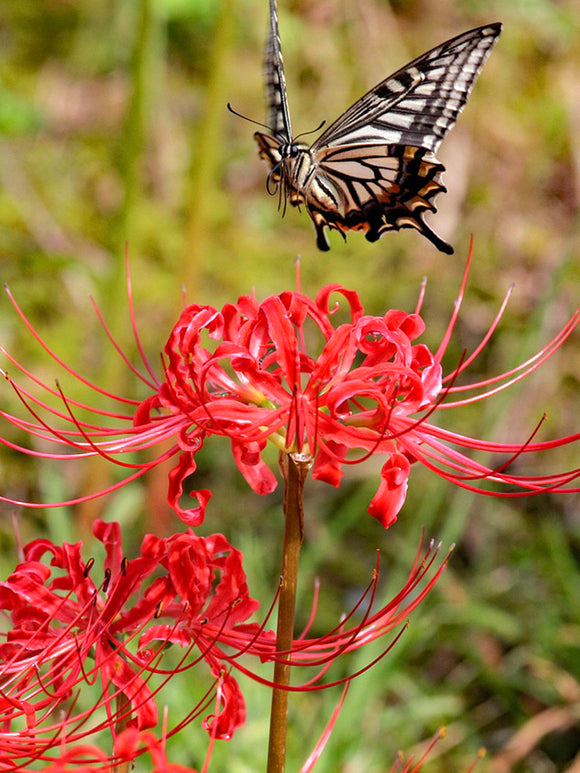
column 375, row 166
column 419, row 103
column 374, row 189
column 269, row 150
column 278, row 115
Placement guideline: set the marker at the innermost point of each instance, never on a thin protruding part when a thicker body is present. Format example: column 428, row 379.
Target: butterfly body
column 374, row 169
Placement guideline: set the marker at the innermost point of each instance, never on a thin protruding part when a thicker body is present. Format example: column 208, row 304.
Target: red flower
column 69, row 633
column 212, row 614
column 285, row 372
column 373, row 622
column 130, row 744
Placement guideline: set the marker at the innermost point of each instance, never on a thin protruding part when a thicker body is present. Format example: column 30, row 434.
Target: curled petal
column 192, row 516
column 143, row 413
column 231, row 713
column 231, row 598
column 411, row 325
column 390, row 497
column 188, row 558
column 381, row 343
column 110, row 535
column 431, row 374
column 249, row 462
column 281, row 334
column 351, row 296
column 328, row 463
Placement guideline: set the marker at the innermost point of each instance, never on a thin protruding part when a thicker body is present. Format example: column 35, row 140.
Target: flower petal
column 390, row 497
column 192, row 516
column 231, row 713
column 328, row 462
column 249, row 462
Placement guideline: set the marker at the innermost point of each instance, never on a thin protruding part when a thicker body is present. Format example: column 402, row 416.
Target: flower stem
column 121, row 725
column 294, row 469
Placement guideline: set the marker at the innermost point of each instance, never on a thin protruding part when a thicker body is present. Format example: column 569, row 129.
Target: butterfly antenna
column 250, row 120
column 272, row 187
column 312, row 131
column 278, row 187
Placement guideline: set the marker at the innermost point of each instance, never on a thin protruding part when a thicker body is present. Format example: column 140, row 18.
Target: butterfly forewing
column 420, row 103
column 278, row 118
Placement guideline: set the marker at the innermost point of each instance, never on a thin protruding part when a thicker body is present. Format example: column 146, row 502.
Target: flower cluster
column 88, row 758
column 69, row 632
column 284, row 372
column 130, row 744
column 71, row 635
column 321, row 382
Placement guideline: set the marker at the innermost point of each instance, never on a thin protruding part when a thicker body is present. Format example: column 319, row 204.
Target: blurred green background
column 114, row 130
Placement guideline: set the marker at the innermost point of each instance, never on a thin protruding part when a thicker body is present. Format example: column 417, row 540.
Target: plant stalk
column 294, row 469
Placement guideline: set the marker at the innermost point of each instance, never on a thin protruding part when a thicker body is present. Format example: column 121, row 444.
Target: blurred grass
column 113, row 129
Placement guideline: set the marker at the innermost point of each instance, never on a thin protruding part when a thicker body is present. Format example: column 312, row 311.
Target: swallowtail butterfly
column 374, row 169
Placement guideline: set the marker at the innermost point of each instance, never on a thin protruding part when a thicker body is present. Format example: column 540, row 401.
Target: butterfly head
column 291, row 149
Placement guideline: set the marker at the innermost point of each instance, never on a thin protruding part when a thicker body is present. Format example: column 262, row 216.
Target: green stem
column 144, row 67
column 136, row 120
column 120, row 726
column 294, row 470
column 208, row 149
column 114, row 288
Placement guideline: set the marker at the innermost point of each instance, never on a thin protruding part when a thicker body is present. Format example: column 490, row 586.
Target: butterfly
column 374, row 169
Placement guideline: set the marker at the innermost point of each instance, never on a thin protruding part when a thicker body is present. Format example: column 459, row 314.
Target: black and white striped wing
column 374, row 189
column 419, row 103
column 278, row 115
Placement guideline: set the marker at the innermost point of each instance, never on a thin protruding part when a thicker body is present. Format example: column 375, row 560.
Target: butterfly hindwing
column 374, row 169
column 269, row 150
column 374, row 189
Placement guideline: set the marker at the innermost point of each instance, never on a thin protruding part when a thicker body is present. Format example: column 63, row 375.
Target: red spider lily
column 322, row 651
column 285, row 371
column 88, row 758
column 69, row 634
